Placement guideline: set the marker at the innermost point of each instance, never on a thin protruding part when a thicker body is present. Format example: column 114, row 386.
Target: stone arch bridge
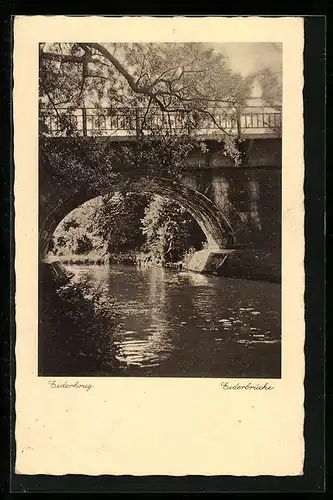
column 237, row 208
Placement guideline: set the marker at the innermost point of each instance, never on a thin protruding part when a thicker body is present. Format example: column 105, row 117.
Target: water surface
column 186, row 324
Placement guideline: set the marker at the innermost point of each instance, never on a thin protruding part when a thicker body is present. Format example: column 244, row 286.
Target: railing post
column 238, row 122
column 137, row 123
column 84, row 122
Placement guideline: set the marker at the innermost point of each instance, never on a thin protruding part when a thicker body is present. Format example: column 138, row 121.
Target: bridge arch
column 214, row 224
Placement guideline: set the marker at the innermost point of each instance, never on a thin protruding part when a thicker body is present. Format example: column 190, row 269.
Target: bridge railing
column 131, row 122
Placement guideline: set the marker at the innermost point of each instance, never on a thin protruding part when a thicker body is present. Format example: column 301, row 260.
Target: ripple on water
column 180, row 321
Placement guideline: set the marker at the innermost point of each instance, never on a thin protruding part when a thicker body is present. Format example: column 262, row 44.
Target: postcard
column 159, row 233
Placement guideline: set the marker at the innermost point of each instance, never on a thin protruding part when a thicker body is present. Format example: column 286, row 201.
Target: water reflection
column 150, row 344
column 254, row 195
column 187, row 324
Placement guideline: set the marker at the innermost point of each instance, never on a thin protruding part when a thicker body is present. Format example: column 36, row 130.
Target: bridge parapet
column 131, row 122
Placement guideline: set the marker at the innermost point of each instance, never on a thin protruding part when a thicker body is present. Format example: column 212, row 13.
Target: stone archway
column 215, row 226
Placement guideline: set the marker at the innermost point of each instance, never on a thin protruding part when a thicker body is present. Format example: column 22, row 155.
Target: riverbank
column 250, row 264
column 77, row 327
column 73, row 259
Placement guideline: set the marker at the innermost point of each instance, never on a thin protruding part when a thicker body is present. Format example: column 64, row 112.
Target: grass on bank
column 71, row 259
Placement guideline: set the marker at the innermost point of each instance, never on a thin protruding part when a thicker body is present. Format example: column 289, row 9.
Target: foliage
column 271, row 85
column 163, row 155
column 71, row 223
column 170, row 232
column 158, row 229
column 125, row 224
column 96, row 165
column 84, row 245
column 91, row 165
column 78, row 234
column 77, row 328
column 166, row 89
column 118, row 220
column 186, row 76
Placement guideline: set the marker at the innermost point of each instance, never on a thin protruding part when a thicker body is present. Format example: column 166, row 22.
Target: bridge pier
column 246, row 263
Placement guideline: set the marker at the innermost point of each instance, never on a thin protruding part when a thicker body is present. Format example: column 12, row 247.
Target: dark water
column 186, row 324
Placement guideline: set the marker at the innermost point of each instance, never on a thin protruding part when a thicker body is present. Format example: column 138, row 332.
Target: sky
column 249, row 57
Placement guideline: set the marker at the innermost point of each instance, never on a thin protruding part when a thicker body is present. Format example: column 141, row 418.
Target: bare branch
column 160, row 78
column 119, row 67
column 146, row 113
column 53, row 104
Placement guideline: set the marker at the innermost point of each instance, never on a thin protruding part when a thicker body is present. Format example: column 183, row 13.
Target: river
column 178, row 324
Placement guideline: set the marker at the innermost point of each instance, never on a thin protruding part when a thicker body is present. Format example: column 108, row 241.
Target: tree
column 170, row 231
column 118, row 221
column 77, row 234
column 167, row 89
column 84, row 245
column 171, row 76
column 271, row 84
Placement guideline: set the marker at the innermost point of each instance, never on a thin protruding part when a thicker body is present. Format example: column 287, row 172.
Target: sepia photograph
column 159, row 184
column 159, row 246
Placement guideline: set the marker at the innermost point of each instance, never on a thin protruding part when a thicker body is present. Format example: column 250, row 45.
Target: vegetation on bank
column 91, row 258
column 77, row 327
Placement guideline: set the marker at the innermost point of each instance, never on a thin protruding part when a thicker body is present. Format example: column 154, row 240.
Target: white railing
column 133, row 122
